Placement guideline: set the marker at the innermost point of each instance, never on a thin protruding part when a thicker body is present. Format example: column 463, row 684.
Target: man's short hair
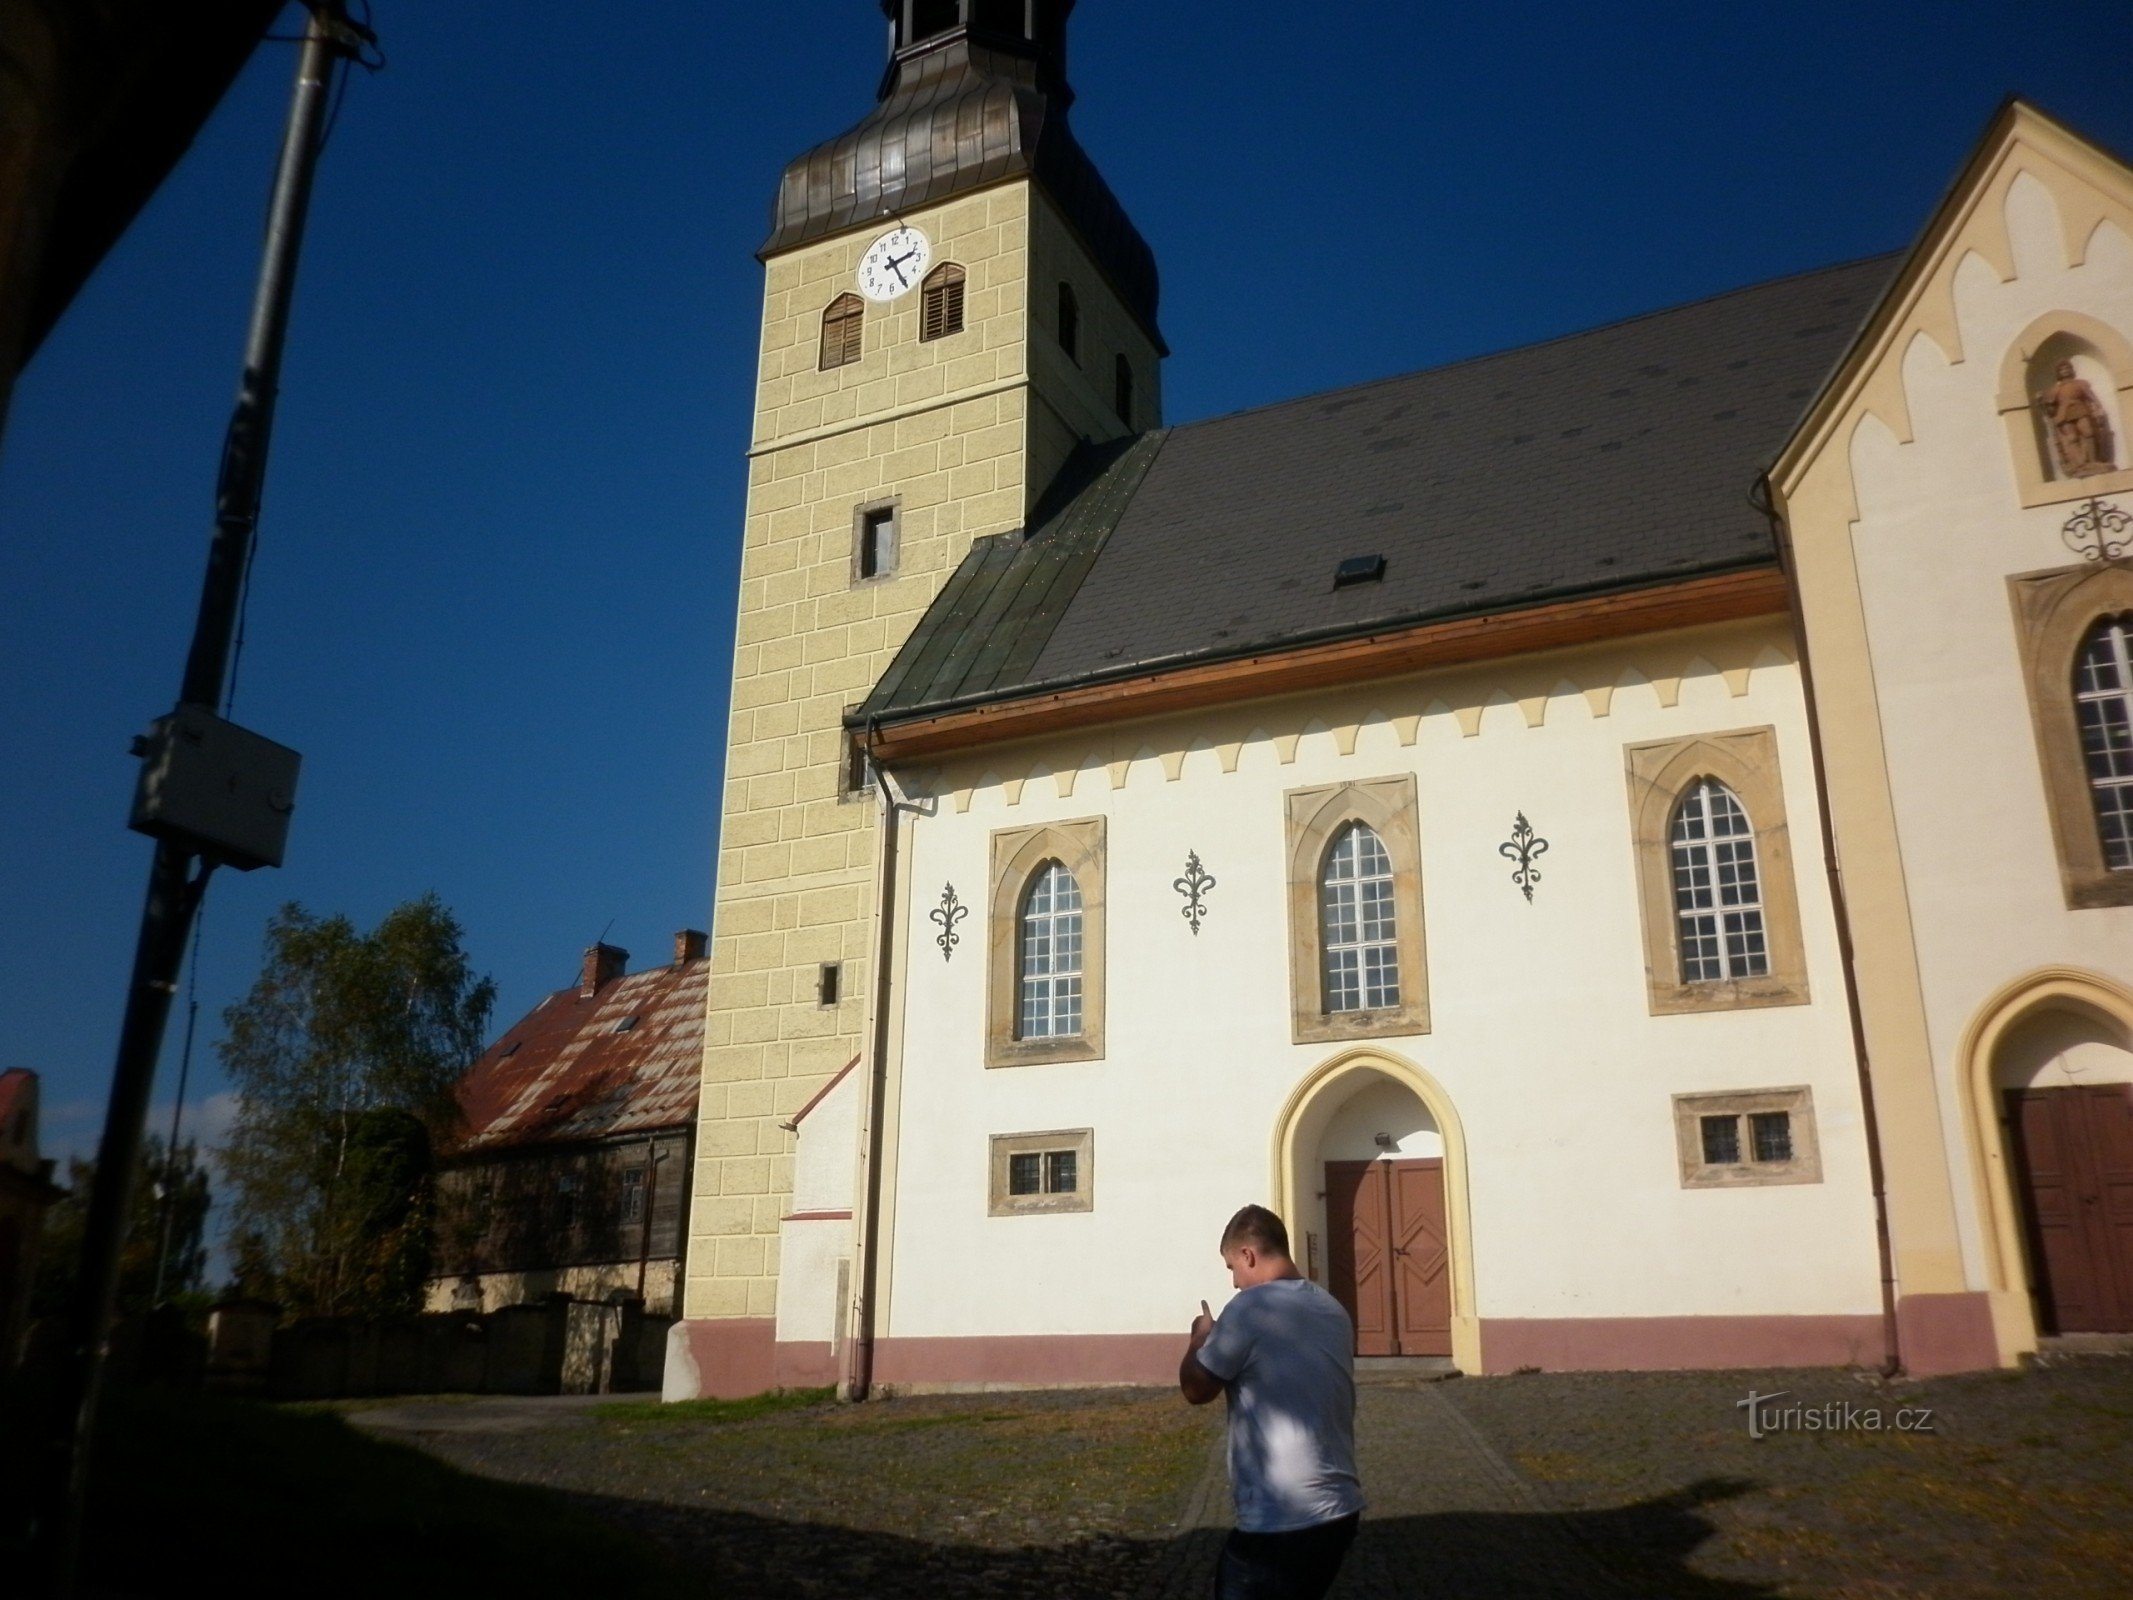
column 1258, row 1227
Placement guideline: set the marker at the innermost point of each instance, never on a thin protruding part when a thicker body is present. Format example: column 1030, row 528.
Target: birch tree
column 344, row 1055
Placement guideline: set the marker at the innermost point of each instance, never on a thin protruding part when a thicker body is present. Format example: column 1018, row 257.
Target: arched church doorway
column 2064, row 1075
column 1373, row 1175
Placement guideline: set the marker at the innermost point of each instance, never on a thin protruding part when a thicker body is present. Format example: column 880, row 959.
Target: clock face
column 894, row 263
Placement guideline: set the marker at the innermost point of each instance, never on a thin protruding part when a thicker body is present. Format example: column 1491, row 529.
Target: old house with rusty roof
column 1627, row 844
column 569, row 1172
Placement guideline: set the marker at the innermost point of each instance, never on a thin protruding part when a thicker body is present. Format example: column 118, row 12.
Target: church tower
column 953, row 302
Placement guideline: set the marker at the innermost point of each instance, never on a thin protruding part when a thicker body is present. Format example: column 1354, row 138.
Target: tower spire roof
column 975, row 93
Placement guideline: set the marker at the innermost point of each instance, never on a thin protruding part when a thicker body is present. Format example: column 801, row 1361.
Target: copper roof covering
column 960, row 112
column 565, row 1073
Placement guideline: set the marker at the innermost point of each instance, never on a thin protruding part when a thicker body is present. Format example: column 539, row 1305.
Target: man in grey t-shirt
column 1283, row 1350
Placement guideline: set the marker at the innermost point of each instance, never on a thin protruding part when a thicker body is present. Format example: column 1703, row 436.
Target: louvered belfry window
column 941, row 302
column 842, row 324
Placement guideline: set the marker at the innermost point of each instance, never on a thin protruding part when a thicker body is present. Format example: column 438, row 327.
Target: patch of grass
column 274, row 1500
column 700, row 1411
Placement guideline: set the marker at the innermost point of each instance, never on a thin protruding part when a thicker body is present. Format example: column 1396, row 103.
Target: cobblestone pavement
column 1541, row 1487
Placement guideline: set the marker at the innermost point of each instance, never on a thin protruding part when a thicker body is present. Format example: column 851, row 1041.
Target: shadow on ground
column 1634, row 1552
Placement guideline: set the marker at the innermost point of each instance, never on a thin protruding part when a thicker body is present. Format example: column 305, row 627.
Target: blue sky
column 494, row 595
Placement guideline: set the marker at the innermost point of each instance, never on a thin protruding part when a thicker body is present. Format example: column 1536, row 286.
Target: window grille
column 1358, row 931
column 1051, row 955
column 1044, row 1172
column 1721, row 1140
column 1771, row 1132
column 842, row 324
column 1718, row 907
column 1069, row 322
column 941, row 302
column 2103, row 701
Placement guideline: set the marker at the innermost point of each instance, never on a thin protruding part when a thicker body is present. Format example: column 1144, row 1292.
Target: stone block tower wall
column 961, row 435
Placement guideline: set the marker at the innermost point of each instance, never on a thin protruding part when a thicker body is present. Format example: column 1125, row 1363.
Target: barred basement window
column 1718, row 905
column 1122, row 390
column 2103, row 702
column 941, row 302
column 1069, row 322
column 842, row 324
column 1359, row 937
column 1042, row 1172
column 1757, row 1136
column 1051, row 956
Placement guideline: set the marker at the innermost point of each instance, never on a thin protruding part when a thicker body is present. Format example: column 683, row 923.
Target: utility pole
column 210, row 793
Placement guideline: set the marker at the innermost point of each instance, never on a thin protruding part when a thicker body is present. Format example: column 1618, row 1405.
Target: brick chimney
column 604, row 963
column 689, row 945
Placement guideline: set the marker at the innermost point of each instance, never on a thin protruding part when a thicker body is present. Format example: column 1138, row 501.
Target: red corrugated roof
column 565, row 1073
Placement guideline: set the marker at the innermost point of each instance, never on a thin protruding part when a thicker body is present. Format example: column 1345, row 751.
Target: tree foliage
column 182, row 1183
column 344, row 1055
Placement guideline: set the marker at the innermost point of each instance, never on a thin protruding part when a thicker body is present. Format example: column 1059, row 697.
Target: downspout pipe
column 1891, row 1342
column 858, row 1377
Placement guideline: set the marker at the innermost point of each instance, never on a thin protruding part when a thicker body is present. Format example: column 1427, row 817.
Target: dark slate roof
column 1609, row 460
column 959, row 114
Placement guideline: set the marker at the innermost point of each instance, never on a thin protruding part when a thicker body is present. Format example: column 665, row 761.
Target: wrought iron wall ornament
column 1194, row 886
column 948, row 913
column 1524, row 847
column 2100, row 531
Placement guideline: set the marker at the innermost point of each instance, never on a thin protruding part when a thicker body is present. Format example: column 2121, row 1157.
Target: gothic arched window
column 940, row 298
column 1048, row 937
column 1718, row 899
column 842, row 323
column 2103, row 703
column 1357, row 925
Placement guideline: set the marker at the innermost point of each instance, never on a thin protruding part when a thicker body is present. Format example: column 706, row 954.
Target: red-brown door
column 1357, row 1221
column 1389, row 1262
column 2074, row 1161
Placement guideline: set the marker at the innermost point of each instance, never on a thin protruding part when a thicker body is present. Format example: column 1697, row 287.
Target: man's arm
column 1195, row 1382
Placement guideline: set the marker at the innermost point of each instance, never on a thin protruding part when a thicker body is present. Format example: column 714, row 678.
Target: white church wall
column 1541, row 1033
column 815, row 1239
column 1941, row 527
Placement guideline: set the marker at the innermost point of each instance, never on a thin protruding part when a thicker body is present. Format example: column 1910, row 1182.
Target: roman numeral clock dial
column 893, row 264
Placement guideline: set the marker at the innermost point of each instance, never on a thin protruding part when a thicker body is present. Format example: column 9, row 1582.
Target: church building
column 1679, row 913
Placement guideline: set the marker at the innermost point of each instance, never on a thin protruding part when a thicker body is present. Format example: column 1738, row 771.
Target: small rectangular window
column 1772, row 1132
column 874, row 543
column 1721, row 1140
column 826, row 983
column 858, row 774
column 1740, row 1138
column 633, row 1194
column 1042, row 1172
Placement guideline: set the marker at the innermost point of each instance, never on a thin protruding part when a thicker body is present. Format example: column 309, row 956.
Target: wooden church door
column 2074, row 1150
column 1389, row 1259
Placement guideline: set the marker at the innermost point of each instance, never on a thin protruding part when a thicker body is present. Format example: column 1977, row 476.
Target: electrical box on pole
column 214, row 788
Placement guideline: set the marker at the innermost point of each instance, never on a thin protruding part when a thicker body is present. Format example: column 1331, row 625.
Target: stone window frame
column 2034, row 483
column 1660, row 773
column 999, row 1203
column 2054, row 610
column 1797, row 1101
column 891, row 554
column 1316, row 817
column 1018, row 855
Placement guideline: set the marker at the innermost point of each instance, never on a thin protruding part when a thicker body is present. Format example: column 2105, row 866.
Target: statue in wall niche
column 2080, row 427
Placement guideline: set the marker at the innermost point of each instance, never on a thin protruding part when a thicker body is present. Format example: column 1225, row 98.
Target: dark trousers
column 1298, row 1565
